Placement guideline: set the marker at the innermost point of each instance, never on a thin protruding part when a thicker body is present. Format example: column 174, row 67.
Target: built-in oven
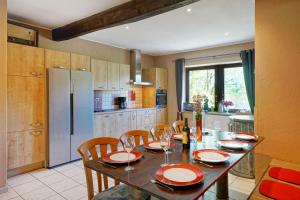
column 161, row 98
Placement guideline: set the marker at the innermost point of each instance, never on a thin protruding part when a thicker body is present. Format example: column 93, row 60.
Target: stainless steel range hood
column 136, row 68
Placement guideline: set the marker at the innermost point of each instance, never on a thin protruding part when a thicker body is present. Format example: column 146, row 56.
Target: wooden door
column 57, row 59
column 113, row 76
column 26, row 108
column 99, row 70
column 25, row 148
column 161, row 115
column 124, row 77
column 24, row 60
column 80, row 62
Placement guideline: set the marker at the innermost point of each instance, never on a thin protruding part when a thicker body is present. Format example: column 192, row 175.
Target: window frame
column 219, row 79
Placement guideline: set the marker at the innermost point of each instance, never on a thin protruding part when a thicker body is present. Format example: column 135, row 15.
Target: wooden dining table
column 146, row 167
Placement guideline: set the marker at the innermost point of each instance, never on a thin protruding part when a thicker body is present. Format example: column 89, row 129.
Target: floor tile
column 16, row 198
column 42, row 173
column 39, row 194
column 75, row 193
column 64, row 167
column 231, row 178
column 28, row 187
column 73, row 172
column 56, row 197
column 78, row 163
column 55, row 178
column 236, row 195
column 80, row 179
column 64, row 185
column 243, row 186
column 20, row 179
column 8, row 195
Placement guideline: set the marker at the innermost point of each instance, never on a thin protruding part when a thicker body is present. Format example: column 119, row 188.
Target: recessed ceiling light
column 127, row 27
column 188, row 10
column 226, row 33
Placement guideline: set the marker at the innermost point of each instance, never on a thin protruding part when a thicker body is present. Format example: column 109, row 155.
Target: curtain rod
column 214, row 56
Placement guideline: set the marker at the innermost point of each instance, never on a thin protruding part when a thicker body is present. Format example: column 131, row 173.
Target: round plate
column 245, row 136
column 122, row 157
column 155, row 145
column 177, row 136
column 211, row 155
column 180, row 174
column 233, row 144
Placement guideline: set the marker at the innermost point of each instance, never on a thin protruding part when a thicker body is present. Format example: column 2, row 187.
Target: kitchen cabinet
column 26, row 103
column 161, row 115
column 124, row 77
column 113, row 76
column 99, row 70
column 123, row 123
column 146, row 119
column 104, row 125
column 25, row 148
column 161, row 79
column 25, row 60
column 133, row 120
column 80, row 62
column 57, row 59
column 158, row 76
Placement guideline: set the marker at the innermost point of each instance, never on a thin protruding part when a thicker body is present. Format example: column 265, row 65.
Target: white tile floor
column 67, row 182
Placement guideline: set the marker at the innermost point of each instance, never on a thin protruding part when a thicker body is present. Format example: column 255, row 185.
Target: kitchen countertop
column 242, row 118
column 121, row 110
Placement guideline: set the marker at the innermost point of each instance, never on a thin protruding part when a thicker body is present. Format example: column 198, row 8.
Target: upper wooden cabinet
column 99, row 70
column 25, row 60
column 113, row 76
column 25, row 108
column 124, row 77
column 57, row 59
column 80, row 62
column 161, row 79
column 158, row 76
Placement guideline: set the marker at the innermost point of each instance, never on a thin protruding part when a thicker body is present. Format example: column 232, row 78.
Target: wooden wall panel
column 277, row 44
column 3, row 89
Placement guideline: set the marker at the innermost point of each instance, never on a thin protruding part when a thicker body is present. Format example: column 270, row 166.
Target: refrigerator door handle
column 72, row 106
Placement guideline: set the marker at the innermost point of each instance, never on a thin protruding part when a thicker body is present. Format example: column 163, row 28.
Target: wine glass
column 169, row 133
column 164, row 143
column 128, row 146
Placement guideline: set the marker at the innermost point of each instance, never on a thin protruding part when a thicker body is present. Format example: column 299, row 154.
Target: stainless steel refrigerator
column 70, row 113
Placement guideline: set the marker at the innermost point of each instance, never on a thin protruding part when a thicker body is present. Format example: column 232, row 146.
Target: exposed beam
column 129, row 12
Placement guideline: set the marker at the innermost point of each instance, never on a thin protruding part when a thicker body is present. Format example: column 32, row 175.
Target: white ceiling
column 210, row 23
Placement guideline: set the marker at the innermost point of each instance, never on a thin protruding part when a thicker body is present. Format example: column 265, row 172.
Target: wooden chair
column 137, row 134
column 158, row 130
column 89, row 151
column 178, row 126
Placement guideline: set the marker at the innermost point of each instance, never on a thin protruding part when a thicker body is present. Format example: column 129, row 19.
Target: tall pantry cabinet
column 26, row 105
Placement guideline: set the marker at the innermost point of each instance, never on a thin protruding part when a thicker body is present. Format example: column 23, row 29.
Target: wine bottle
column 186, row 135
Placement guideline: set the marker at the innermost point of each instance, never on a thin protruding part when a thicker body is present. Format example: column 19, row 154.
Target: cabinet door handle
column 59, row 67
column 35, row 133
column 81, row 69
column 33, row 73
column 36, row 124
column 106, row 116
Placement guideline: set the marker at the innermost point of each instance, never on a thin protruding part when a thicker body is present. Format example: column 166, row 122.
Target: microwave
column 161, row 98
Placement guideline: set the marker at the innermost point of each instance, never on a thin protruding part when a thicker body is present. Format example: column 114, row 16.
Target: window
column 217, row 83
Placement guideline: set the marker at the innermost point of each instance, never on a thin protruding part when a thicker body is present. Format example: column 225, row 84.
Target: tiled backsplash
column 107, row 99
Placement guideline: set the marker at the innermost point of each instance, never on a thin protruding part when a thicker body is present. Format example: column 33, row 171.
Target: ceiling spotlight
column 226, row 33
column 188, row 10
column 127, row 27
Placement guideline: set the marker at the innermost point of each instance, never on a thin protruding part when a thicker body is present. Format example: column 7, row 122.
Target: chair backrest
column 137, row 134
column 89, row 150
column 158, row 130
column 178, row 125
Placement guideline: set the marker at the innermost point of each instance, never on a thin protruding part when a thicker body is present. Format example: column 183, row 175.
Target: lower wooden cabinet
column 25, row 148
column 161, row 116
column 104, row 125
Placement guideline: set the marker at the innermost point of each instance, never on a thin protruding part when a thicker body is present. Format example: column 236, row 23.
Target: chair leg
column 117, row 182
column 105, row 180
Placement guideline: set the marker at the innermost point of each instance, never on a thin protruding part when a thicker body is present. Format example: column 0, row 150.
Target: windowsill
column 220, row 113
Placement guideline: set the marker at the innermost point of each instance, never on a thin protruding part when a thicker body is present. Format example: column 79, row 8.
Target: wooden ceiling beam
column 129, row 12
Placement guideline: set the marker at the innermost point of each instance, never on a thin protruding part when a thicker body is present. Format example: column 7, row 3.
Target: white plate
column 233, row 144
column 245, row 137
column 212, row 157
column 177, row 136
column 180, row 175
column 155, row 145
column 122, row 157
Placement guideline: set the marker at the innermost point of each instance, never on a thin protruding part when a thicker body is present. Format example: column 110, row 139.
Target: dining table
column 146, row 167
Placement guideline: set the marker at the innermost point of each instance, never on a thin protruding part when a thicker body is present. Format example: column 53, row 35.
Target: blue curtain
column 179, row 70
column 248, row 60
